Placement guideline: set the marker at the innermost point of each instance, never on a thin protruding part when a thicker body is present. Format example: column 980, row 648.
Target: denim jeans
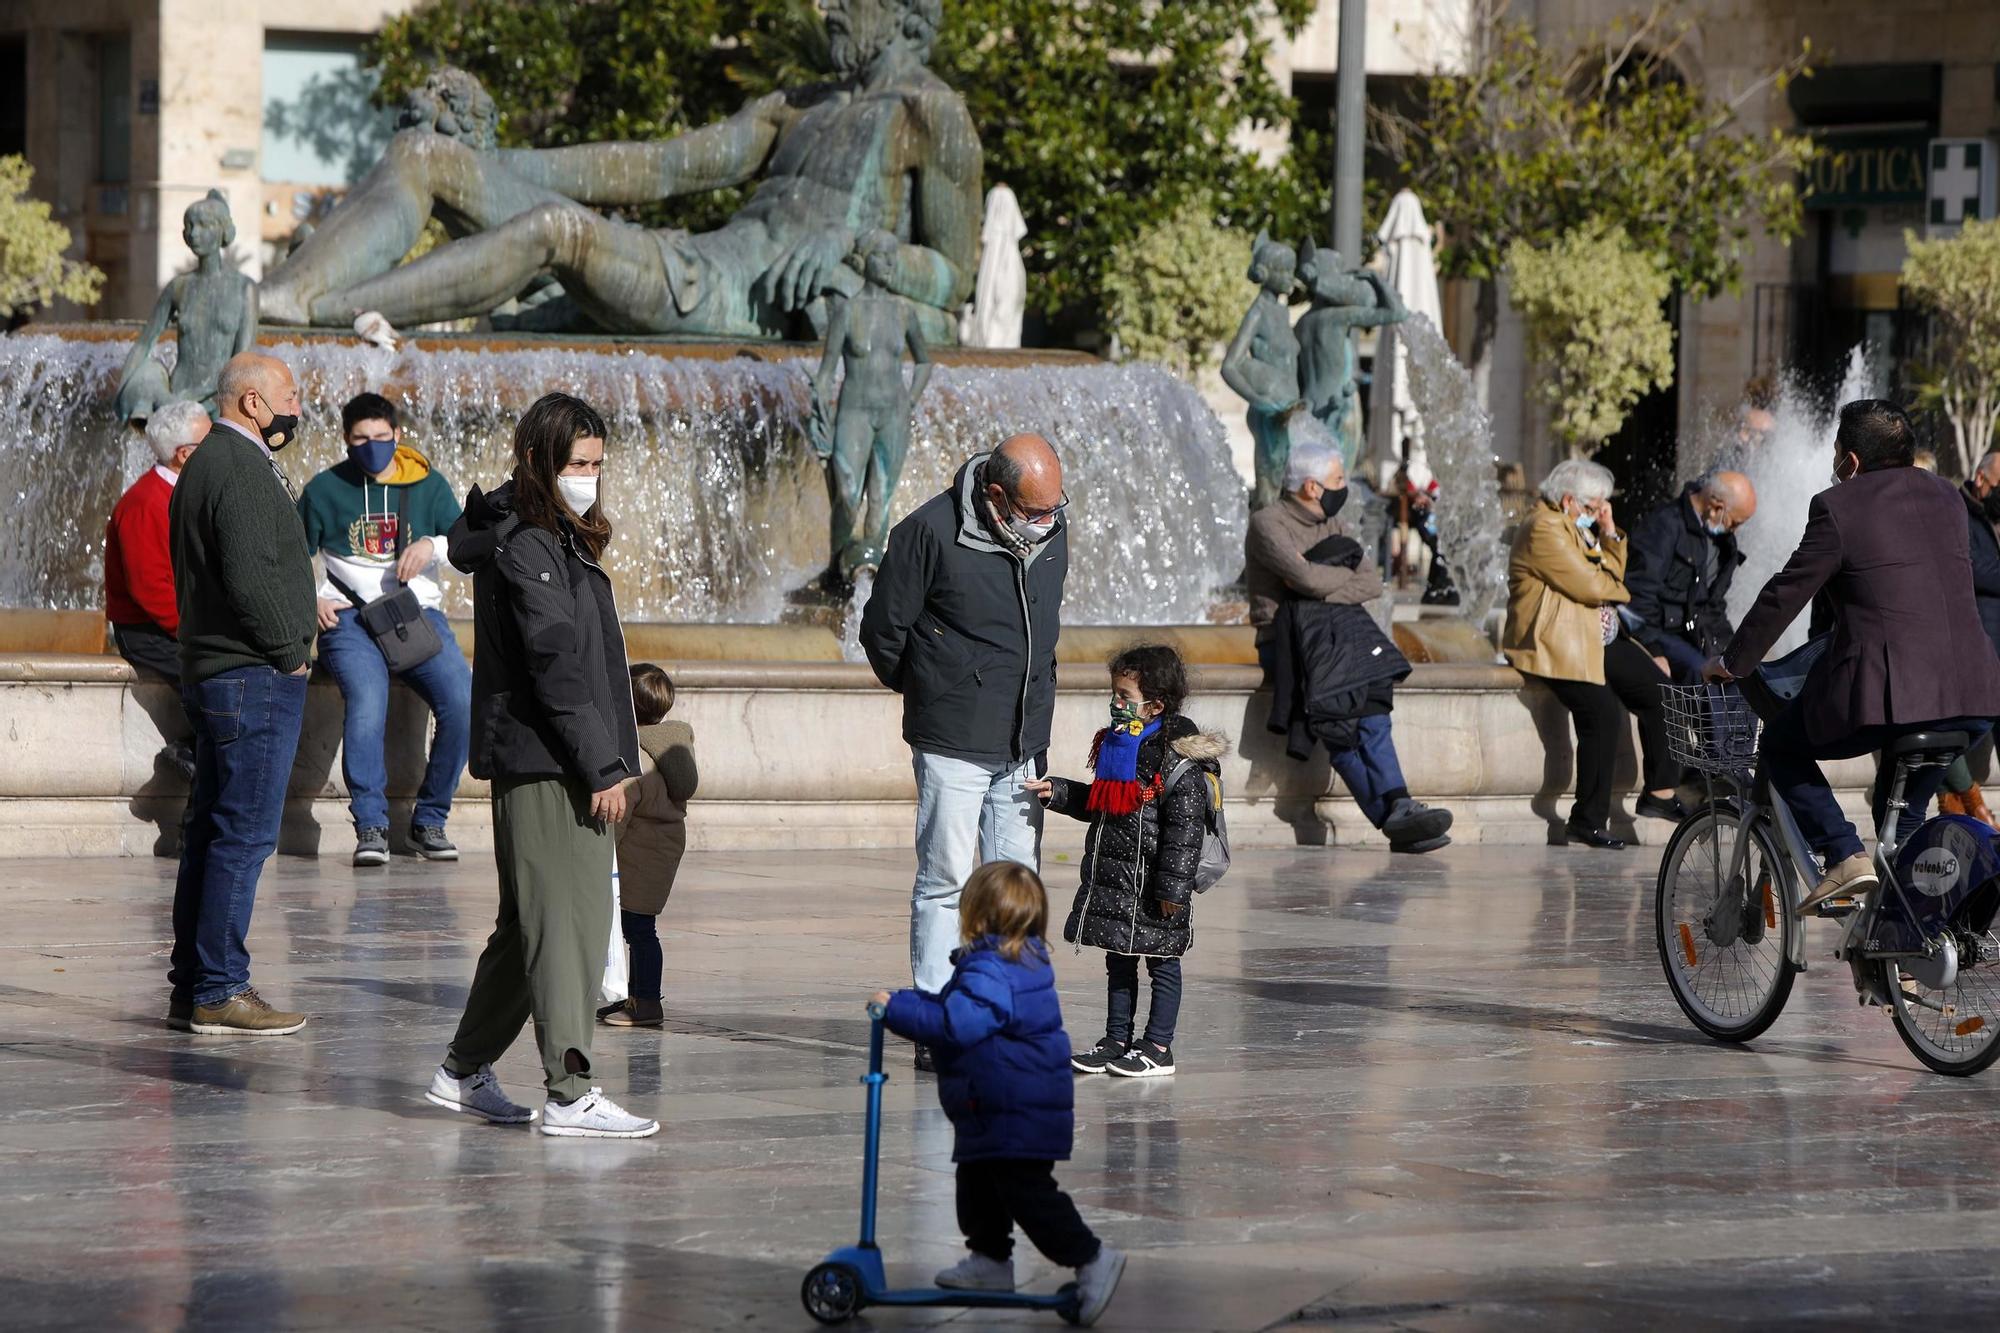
column 1373, row 776
column 444, row 683
column 1792, row 764
column 246, row 732
column 1122, row 998
column 642, row 939
column 1371, row 771
column 967, row 814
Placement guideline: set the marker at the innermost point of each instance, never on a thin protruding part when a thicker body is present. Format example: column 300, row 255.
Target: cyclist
column 1888, row 544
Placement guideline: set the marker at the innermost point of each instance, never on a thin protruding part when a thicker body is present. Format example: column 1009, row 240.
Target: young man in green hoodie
column 377, row 521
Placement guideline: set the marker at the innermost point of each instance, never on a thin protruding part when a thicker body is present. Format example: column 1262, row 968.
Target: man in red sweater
column 138, row 569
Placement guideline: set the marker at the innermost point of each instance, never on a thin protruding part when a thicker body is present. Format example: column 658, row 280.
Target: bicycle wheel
column 1724, row 952
column 1955, row 1030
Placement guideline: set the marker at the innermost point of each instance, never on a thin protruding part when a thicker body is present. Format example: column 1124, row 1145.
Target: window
column 319, row 126
column 114, row 109
column 13, row 95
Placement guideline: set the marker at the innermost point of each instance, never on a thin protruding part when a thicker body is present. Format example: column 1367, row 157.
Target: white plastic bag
column 616, row 982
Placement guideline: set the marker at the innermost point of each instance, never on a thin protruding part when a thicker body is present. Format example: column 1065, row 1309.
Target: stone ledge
column 801, row 756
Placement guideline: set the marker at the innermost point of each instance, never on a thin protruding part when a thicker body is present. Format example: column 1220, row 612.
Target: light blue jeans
column 967, row 814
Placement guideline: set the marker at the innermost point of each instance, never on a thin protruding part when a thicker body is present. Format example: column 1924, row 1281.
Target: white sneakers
column 594, row 1116
column 477, row 1094
column 976, row 1272
column 1096, row 1283
column 591, row 1116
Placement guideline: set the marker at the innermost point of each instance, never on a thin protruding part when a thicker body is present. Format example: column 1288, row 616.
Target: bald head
column 1724, row 501
column 254, row 388
column 1985, row 478
column 1024, row 477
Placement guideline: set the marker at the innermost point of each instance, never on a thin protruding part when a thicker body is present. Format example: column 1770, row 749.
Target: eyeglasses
column 1039, row 515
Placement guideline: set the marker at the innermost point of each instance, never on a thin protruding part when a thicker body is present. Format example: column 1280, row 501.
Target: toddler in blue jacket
column 996, row 1034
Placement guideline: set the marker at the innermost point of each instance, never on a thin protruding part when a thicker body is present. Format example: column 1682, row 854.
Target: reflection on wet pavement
column 1441, row 1093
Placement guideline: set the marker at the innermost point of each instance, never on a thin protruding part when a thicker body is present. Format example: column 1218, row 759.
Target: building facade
column 130, row 110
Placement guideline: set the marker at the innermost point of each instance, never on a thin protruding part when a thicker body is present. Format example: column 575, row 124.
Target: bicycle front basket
column 1711, row 728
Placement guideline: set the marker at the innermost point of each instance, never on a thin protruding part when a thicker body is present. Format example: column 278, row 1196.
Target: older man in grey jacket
column 1276, row 569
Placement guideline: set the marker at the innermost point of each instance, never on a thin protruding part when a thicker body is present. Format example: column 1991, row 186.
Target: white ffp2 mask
column 579, row 493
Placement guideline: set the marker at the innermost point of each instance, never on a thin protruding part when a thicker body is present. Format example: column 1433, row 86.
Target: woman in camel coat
column 1565, row 584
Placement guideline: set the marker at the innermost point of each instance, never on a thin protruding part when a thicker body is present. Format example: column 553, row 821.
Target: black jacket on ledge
column 965, row 630
column 1132, row 863
column 1677, row 610
column 1330, row 665
column 551, row 693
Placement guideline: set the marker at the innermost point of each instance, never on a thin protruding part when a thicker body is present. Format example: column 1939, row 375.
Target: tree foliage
column 33, row 271
column 1592, row 306
column 1957, row 280
column 1175, row 292
column 1532, row 143
column 1104, row 118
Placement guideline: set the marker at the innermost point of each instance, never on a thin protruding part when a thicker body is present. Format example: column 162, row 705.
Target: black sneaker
column 1412, row 826
column 1144, row 1060
column 1658, row 807
column 431, row 844
column 925, row 1065
column 371, row 847
column 1097, row 1058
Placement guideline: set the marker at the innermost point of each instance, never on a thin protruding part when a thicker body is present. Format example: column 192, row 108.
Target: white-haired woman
column 139, row 596
column 1566, row 580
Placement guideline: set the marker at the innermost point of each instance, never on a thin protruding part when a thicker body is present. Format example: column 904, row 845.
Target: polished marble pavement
column 1442, row 1093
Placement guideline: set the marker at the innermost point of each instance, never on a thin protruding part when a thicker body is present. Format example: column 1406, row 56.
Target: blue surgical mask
column 1717, row 529
column 373, row 456
column 1586, row 521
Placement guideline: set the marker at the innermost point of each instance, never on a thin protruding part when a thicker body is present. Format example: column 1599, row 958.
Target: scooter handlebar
column 876, row 1011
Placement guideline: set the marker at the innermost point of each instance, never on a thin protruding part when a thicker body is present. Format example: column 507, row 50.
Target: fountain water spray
column 1789, row 466
column 719, row 505
column 1458, row 442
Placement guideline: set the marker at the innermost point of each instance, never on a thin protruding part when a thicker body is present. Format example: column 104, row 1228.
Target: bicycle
column 1730, row 933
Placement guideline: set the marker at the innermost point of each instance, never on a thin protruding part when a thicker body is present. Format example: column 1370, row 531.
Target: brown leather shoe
column 244, row 1015
column 1975, row 805
column 635, row 1014
column 1849, row 879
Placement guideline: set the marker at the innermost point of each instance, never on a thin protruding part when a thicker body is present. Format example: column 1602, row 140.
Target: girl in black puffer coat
column 1139, row 862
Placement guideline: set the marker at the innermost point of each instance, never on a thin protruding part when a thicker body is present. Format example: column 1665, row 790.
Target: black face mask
column 1330, row 501
column 279, row 431
column 1991, row 504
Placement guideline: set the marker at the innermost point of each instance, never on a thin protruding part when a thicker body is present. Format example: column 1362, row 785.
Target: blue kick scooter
column 850, row 1279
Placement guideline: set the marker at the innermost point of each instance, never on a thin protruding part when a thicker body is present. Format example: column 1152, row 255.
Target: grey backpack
column 1215, row 830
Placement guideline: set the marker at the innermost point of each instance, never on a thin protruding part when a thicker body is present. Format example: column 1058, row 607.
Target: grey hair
column 1005, row 471
column 1579, row 477
column 173, row 425
column 1311, row 460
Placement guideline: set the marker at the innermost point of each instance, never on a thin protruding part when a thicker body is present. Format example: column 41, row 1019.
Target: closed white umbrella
column 1394, row 431
column 1000, row 295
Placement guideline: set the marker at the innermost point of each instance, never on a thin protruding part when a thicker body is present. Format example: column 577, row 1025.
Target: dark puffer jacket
column 1157, row 848
column 996, row 1033
column 551, row 694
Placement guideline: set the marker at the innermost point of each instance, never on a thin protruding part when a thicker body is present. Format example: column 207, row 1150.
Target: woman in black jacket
column 1147, row 813
column 553, row 731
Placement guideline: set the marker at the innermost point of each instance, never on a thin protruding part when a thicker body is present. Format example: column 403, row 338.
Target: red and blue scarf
column 1114, row 765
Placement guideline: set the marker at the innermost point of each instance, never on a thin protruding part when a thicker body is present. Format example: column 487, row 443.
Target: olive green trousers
column 545, row 957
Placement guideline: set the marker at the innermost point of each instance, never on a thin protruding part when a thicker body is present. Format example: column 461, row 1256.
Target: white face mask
column 579, row 493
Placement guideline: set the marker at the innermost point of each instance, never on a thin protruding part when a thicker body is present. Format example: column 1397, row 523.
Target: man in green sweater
column 244, row 584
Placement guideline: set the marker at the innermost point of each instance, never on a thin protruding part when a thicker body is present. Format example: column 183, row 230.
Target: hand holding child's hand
column 1041, row 789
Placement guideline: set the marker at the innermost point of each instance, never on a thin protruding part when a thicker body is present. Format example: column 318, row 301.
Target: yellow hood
column 407, row 466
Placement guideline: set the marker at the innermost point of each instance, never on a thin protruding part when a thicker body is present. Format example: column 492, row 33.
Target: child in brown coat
column 651, row 841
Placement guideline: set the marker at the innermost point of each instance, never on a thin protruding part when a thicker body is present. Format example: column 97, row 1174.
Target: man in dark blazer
column 1888, row 546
